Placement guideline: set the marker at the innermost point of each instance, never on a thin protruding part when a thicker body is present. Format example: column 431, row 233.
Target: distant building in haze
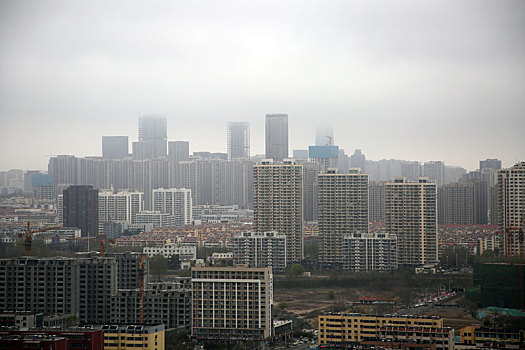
column 411, row 214
column 153, row 137
column 300, row 154
column 115, row 147
column 276, row 136
column 238, row 140
column 179, row 150
column 358, row 160
column 435, row 170
column 494, row 164
column 326, row 156
column 324, row 136
column 80, row 209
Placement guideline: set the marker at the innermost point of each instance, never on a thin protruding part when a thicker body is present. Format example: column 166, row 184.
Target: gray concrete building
column 115, row 147
column 80, row 209
column 260, row 249
column 276, row 136
column 363, row 252
column 376, row 201
column 179, row 151
column 238, row 140
column 176, row 202
column 233, row 303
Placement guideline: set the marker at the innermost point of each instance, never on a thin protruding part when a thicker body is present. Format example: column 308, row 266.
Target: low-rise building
column 232, row 303
column 133, row 336
column 351, row 329
column 156, row 218
column 442, row 337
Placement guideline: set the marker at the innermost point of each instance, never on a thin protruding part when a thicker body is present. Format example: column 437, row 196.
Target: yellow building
column 340, row 329
column 474, row 335
column 125, row 337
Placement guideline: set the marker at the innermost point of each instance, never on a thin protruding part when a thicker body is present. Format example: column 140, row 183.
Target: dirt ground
column 309, row 303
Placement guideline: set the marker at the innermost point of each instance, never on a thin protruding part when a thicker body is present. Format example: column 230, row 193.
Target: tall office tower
column 511, row 207
column 277, row 136
column 260, row 249
column 324, row 136
column 122, row 206
column 278, row 203
column 494, row 164
column 179, row 150
column 456, row 204
column 238, row 140
column 115, row 147
column 311, row 171
column 410, row 170
column 176, row 202
column 343, row 209
column 326, row 156
column 80, row 209
column 358, row 160
column 435, row 170
column 376, row 201
column 232, row 303
column 153, row 138
column 369, row 252
column 410, row 214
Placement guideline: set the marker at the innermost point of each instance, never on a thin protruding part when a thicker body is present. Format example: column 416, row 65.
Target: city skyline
column 412, row 81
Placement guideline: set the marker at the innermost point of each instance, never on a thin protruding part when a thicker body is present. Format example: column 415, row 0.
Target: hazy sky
column 416, row 80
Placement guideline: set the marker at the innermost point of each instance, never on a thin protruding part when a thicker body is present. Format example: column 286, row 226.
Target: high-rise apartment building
column 310, row 187
column 80, row 209
column 511, row 207
column 376, row 201
column 232, row 303
column 264, row 249
column 343, row 209
column 494, row 164
column 179, row 150
column 122, row 206
column 410, row 214
column 369, row 252
column 358, row 160
column 278, row 203
column 238, row 140
column 115, row 147
column 435, row 170
column 277, row 136
column 456, row 205
column 176, row 202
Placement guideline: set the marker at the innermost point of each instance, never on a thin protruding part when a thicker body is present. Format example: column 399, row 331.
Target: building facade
column 80, row 209
column 343, row 209
column 511, row 207
column 363, row 252
column 176, row 202
column 238, row 140
column 265, row 249
column 278, row 203
column 411, row 215
column 232, row 303
column 115, row 147
column 276, row 136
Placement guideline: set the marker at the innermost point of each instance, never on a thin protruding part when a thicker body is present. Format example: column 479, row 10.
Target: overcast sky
column 415, row 80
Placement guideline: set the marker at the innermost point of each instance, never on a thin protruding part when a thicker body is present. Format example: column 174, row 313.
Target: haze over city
column 404, row 80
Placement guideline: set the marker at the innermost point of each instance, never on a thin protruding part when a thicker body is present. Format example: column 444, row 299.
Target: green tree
column 331, row 295
column 282, row 305
column 158, row 265
column 294, row 270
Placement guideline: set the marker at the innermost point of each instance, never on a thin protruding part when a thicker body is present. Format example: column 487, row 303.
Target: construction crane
column 29, row 240
column 100, row 239
column 141, row 287
column 329, row 140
